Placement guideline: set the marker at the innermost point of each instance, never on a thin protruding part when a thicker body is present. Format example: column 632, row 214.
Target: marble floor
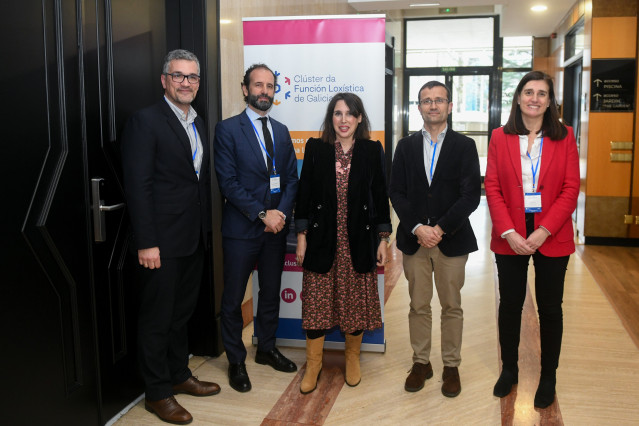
column 596, row 380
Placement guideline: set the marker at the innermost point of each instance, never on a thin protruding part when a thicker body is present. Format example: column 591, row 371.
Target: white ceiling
column 516, row 18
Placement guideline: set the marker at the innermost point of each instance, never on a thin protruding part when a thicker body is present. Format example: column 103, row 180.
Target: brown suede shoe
column 418, row 375
column 451, row 386
column 169, row 410
column 195, row 387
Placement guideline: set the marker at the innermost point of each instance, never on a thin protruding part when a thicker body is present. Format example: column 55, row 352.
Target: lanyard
column 264, row 147
column 432, row 161
column 535, row 168
column 196, row 145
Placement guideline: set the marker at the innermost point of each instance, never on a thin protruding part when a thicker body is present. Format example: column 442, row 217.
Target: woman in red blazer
column 532, row 184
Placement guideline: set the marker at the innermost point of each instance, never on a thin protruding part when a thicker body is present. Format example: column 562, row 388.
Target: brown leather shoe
column 418, row 375
column 195, row 387
column 451, row 386
column 169, row 410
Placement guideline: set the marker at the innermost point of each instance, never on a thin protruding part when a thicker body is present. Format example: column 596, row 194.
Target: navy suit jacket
column 169, row 206
column 244, row 179
column 454, row 194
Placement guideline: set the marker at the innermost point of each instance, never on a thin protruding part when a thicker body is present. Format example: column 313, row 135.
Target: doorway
column 68, row 293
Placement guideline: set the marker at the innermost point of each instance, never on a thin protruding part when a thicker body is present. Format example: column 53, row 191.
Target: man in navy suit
column 257, row 172
column 165, row 161
column 435, row 186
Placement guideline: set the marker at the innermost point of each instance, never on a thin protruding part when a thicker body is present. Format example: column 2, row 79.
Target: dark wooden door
column 122, row 50
column 49, row 345
column 72, row 72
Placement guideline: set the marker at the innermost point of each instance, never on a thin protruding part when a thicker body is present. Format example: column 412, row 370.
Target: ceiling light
column 225, row 21
column 423, row 4
column 539, row 8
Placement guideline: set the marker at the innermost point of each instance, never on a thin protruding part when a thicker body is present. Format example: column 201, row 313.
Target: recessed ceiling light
column 539, row 8
column 423, row 4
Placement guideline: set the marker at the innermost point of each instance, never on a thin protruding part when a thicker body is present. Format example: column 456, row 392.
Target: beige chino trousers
column 449, row 275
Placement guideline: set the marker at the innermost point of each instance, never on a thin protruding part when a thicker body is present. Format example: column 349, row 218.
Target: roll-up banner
column 315, row 57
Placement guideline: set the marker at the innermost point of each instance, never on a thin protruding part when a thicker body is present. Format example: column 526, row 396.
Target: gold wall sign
column 619, row 157
column 621, row 146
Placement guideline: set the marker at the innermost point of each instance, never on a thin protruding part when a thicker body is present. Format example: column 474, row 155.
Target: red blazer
column 558, row 184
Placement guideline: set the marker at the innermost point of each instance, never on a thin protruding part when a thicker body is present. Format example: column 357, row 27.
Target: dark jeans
column 549, row 290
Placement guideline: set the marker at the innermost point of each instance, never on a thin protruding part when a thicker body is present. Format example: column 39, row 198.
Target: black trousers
column 168, row 299
column 240, row 257
column 549, row 291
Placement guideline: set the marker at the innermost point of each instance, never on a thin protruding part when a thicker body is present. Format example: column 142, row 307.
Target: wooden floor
column 597, row 380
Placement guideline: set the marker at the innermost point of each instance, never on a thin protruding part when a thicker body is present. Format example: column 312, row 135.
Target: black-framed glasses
column 429, row 101
column 178, row 77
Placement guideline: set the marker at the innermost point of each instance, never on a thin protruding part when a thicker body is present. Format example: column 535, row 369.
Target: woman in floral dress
column 342, row 220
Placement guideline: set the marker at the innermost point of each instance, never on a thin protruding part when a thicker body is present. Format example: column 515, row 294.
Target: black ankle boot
column 505, row 383
column 545, row 394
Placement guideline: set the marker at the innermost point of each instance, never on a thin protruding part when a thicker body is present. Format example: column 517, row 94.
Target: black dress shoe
column 238, row 377
column 276, row 360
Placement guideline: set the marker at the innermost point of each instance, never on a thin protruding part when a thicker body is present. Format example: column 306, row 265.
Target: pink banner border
column 314, row 31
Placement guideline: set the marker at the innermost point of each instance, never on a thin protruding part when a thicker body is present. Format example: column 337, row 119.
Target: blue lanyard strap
column 196, row 147
column 535, row 168
column 264, row 147
column 432, row 161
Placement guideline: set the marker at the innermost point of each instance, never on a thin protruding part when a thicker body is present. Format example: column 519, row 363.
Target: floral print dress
column 341, row 297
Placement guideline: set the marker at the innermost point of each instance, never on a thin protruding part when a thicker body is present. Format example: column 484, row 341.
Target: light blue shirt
column 430, row 160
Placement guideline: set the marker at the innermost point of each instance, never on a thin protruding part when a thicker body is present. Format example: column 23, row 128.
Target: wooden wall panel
column 606, row 178
column 614, row 37
column 601, row 8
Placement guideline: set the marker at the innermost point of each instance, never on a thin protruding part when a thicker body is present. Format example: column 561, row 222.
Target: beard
column 261, row 105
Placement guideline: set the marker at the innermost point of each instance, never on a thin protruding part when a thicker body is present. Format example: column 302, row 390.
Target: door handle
column 99, row 226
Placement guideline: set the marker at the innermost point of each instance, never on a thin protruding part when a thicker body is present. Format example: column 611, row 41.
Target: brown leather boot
column 353, row 346
column 452, row 385
column 314, row 353
column 169, row 410
column 418, row 375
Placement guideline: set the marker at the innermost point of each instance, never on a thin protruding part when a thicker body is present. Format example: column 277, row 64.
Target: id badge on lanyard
column 275, row 183
column 532, row 200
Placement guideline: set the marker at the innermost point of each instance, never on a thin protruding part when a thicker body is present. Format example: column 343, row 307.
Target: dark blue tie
column 268, row 142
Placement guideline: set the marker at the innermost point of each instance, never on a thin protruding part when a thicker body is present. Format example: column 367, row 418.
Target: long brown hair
column 551, row 126
column 356, row 108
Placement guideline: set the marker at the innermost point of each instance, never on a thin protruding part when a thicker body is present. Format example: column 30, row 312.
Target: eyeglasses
column 177, row 77
column 438, row 101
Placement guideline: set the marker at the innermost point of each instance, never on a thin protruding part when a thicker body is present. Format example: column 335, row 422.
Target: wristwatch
column 387, row 239
column 262, row 215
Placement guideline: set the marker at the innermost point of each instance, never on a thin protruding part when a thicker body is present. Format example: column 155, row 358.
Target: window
column 449, row 42
column 517, row 52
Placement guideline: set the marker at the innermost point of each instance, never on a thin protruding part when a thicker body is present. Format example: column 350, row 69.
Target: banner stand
column 314, row 58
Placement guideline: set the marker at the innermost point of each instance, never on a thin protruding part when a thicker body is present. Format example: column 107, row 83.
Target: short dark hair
column 247, row 76
column 430, row 85
column 551, row 126
column 179, row 54
column 356, row 108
